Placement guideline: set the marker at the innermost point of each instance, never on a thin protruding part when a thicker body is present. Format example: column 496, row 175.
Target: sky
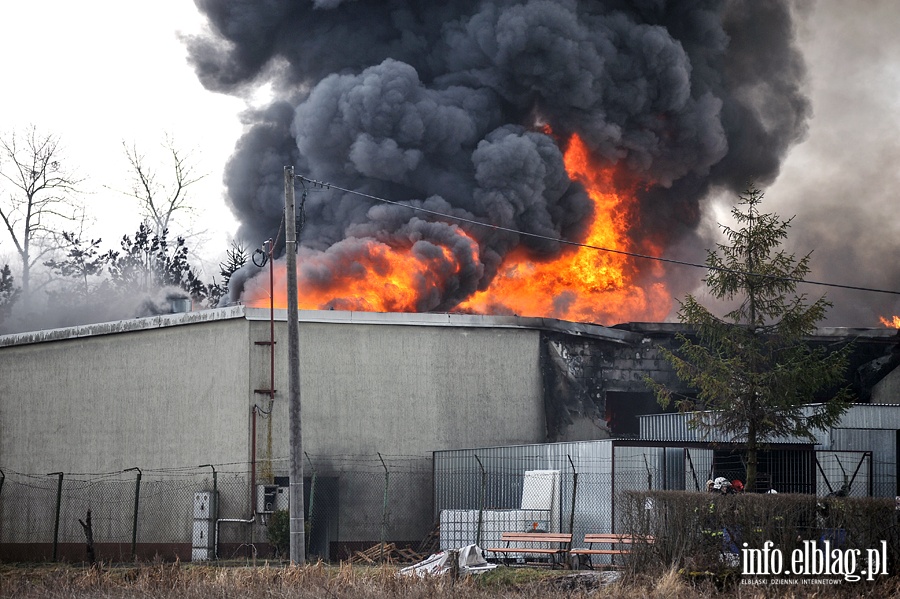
column 100, row 72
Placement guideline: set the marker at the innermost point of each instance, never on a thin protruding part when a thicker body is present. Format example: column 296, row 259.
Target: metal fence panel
column 883, row 445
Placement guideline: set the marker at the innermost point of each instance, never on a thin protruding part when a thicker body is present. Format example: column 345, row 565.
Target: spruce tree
column 755, row 375
column 9, row 293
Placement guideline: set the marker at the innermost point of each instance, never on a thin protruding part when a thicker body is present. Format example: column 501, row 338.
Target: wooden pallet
column 393, row 554
column 388, row 554
column 432, row 541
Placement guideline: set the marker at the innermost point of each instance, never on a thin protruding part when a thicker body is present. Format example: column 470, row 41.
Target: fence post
column 687, row 454
column 58, row 502
column 871, row 477
column 137, row 501
column 574, row 491
column 481, row 506
column 2, row 478
column 649, row 474
column 383, row 507
column 215, row 489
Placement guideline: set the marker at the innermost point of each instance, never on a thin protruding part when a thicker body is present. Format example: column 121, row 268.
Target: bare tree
column 160, row 198
column 37, row 201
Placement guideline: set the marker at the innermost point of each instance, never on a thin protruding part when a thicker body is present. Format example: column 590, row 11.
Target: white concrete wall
column 172, row 396
column 407, row 390
column 177, row 392
column 402, row 391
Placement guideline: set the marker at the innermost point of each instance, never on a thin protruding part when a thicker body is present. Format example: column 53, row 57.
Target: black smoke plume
column 444, row 104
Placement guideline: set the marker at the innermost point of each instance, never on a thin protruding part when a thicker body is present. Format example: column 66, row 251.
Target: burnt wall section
column 594, row 388
column 573, row 396
column 873, row 367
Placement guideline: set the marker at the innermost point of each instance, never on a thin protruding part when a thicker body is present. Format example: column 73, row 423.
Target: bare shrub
column 705, row 532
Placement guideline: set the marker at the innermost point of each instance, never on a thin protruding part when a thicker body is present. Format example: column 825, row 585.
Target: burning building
column 165, row 394
column 503, row 179
column 379, row 391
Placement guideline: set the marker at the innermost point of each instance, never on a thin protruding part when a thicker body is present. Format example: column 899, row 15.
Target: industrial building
column 173, row 429
column 200, row 396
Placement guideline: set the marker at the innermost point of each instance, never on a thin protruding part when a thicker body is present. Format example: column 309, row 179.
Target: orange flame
column 894, row 323
column 581, row 284
column 362, row 274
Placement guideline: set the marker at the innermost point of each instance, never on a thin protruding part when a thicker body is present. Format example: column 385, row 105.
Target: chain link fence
column 357, row 503
column 128, row 515
column 351, row 504
column 377, row 507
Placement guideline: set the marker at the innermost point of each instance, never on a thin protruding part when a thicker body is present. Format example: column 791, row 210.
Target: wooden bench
column 547, row 544
column 619, row 544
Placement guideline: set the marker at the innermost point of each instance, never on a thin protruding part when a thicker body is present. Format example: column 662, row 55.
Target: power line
column 589, row 246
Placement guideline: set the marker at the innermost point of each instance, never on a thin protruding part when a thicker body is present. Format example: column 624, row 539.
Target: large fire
column 580, row 284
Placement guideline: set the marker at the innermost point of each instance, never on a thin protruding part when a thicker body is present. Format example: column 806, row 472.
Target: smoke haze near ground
column 842, row 184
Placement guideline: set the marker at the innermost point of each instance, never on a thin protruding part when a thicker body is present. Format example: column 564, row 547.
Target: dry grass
column 180, row 581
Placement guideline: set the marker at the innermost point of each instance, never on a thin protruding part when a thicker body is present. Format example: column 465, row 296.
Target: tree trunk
column 752, row 455
column 89, row 535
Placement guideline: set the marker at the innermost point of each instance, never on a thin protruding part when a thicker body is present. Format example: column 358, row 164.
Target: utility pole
column 297, row 524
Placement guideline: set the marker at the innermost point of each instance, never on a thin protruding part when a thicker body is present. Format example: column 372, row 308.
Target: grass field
column 184, row 581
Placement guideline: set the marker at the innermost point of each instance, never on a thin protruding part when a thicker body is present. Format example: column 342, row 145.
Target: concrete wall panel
column 157, row 398
column 402, row 390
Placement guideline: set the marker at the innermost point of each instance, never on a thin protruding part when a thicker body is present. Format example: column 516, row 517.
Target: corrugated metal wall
column 676, row 427
column 862, row 429
column 872, row 416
